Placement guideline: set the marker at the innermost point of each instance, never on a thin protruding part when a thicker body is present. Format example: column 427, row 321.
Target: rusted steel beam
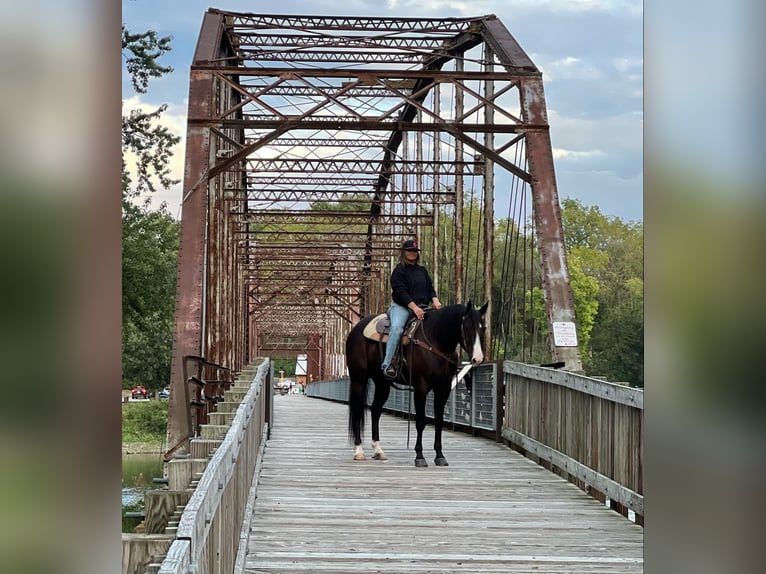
column 188, row 330
column 559, row 302
column 348, row 57
column 344, row 180
column 359, row 91
column 508, row 51
column 328, row 217
column 327, row 142
column 269, row 196
column 267, row 39
column 299, row 22
column 331, row 123
column 370, row 74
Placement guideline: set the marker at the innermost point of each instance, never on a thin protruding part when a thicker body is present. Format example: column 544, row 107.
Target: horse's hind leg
column 357, row 394
column 382, row 390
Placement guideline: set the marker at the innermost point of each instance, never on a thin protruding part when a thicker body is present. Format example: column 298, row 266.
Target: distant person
column 412, row 291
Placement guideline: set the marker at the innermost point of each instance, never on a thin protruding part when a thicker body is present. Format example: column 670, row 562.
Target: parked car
column 139, row 392
column 164, row 393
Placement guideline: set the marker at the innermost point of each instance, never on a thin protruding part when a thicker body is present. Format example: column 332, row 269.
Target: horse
column 431, row 363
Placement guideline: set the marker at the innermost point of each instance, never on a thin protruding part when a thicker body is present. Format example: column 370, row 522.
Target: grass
column 144, row 423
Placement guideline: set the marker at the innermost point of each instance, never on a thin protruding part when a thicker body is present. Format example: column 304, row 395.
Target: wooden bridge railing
column 209, row 537
column 586, row 430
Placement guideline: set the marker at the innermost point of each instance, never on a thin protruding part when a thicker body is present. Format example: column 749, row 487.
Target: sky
column 590, row 53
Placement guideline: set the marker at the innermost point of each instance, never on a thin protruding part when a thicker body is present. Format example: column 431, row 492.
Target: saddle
column 379, row 327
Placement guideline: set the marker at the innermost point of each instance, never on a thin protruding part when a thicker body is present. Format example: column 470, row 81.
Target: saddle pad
column 374, row 328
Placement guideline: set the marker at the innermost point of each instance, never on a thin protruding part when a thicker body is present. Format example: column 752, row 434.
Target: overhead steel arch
column 317, row 144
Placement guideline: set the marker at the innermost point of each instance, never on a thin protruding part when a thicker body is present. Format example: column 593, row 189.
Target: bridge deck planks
column 491, row 510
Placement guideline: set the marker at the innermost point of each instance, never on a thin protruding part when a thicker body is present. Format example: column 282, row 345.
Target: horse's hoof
column 421, row 462
column 359, row 456
column 441, row 461
column 379, row 456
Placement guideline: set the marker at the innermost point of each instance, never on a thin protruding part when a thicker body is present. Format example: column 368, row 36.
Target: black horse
column 431, row 363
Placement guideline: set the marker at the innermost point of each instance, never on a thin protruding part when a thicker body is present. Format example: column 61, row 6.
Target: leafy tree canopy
column 149, row 237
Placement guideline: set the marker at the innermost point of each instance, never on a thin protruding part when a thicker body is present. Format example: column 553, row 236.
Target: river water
column 138, row 470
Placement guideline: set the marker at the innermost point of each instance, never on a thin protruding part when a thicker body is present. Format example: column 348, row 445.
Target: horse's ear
column 468, row 307
column 483, row 308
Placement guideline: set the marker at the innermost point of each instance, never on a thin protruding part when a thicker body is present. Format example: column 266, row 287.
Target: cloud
column 559, row 153
column 626, row 7
column 570, row 68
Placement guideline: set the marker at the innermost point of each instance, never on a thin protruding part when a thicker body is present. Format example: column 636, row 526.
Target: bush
column 129, row 524
column 144, row 421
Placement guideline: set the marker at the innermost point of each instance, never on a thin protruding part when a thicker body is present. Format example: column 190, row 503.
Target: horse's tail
column 357, row 397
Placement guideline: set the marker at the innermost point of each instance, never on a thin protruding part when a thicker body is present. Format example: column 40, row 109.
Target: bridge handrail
column 476, row 410
column 208, row 535
column 588, row 430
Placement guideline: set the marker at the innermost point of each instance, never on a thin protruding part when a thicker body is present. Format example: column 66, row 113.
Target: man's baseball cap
column 410, row 245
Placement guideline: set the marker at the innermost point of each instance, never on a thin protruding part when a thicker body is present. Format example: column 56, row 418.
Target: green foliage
column 585, row 289
column 144, row 421
column 129, row 524
column 149, row 237
column 152, row 144
column 142, row 52
column 609, row 252
column 153, row 147
column 347, row 202
column 286, row 364
column 149, row 264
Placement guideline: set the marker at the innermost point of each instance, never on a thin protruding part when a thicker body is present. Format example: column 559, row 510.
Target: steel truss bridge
column 316, row 145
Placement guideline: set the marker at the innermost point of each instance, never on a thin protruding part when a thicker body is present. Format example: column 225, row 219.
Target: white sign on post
column 564, row 334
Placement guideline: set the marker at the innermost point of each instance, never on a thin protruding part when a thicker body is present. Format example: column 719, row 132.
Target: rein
column 429, row 347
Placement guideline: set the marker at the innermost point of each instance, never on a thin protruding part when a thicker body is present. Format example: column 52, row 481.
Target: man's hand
column 436, row 303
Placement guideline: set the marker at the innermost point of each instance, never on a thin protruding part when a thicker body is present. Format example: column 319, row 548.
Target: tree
column 151, row 143
column 149, row 237
column 609, row 251
column 149, row 262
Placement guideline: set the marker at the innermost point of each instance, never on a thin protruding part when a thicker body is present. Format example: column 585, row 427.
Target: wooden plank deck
column 491, row 510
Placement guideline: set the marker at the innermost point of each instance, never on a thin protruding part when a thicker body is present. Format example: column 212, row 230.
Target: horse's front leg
column 420, row 424
column 382, row 389
column 440, row 400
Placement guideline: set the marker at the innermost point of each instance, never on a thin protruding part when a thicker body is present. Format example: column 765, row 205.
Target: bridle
column 425, row 344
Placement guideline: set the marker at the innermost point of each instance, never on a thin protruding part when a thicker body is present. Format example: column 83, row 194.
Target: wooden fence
column 586, row 430
column 202, row 512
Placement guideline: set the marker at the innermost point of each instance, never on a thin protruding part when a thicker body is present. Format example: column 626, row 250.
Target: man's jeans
column 398, row 316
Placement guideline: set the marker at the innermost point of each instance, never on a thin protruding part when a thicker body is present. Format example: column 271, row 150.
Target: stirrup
column 390, row 372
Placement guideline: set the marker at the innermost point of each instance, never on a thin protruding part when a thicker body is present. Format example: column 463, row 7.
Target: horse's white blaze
column 477, row 356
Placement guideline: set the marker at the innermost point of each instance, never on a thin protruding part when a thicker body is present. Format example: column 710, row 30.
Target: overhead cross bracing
column 320, row 143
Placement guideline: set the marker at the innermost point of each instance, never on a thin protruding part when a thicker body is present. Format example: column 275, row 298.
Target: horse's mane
column 443, row 325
